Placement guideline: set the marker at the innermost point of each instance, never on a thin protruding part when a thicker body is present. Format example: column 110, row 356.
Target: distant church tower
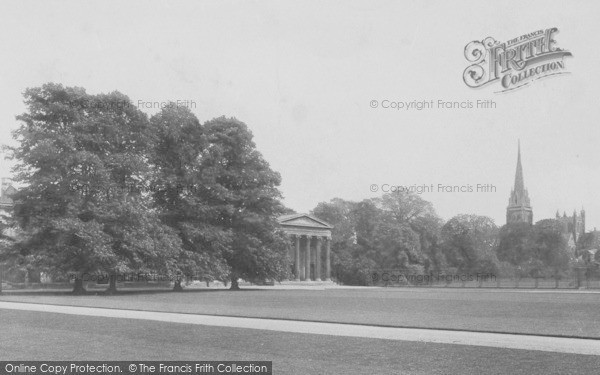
column 519, row 208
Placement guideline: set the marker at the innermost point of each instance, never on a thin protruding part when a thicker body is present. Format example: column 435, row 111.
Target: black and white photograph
column 299, row 187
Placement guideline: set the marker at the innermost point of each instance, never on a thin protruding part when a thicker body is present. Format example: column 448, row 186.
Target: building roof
column 303, row 220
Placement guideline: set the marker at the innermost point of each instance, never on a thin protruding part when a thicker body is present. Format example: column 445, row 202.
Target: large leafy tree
column 549, row 248
column 350, row 263
column 469, row 244
column 538, row 250
column 341, row 214
column 515, row 243
column 398, row 231
column 81, row 159
column 245, row 199
column 184, row 189
column 420, row 225
column 216, row 190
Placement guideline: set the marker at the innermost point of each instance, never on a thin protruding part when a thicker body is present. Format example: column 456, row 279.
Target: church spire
column 519, row 182
column 519, row 208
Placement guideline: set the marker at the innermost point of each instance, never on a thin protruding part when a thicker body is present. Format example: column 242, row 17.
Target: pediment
column 303, row 220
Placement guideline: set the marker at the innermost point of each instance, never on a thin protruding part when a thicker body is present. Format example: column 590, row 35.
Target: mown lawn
column 552, row 313
column 26, row 335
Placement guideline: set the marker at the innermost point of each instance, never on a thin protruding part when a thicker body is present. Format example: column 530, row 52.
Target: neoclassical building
column 309, row 235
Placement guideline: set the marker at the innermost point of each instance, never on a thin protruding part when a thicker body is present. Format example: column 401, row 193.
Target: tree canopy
column 107, row 190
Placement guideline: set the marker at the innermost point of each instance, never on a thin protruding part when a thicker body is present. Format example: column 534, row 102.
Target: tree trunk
column 234, row 283
column 177, row 287
column 78, row 286
column 112, row 286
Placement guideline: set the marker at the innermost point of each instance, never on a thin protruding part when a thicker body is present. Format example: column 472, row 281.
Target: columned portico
column 307, row 234
column 307, row 259
column 328, row 259
column 297, row 257
column 318, row 260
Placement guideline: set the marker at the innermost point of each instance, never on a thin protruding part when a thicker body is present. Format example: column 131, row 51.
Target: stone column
column 302, row 263
column 327, row 259
column 297, row 254
column 307, row 258
column 318, row 260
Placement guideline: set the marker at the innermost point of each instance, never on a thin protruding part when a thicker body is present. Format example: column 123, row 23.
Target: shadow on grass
column 119, row 292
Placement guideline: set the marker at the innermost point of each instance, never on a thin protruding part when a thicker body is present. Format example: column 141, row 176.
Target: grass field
column 550, row 313
column 33, row 335
column 26, row 335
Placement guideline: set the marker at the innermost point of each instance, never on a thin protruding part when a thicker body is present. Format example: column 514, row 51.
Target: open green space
column 34, row 335
column 573, row 314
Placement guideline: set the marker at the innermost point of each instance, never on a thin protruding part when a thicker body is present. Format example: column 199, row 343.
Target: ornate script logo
column 516, row 62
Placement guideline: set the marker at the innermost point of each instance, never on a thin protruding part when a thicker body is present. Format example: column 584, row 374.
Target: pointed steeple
column 519, row 182
column 519, row 208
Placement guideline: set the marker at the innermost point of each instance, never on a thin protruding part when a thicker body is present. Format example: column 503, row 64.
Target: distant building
column 519, row 210
column 519, row 207
column 308, row 233
column 573, row 227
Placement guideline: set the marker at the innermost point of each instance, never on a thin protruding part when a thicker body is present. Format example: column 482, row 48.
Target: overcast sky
column 303, row 75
